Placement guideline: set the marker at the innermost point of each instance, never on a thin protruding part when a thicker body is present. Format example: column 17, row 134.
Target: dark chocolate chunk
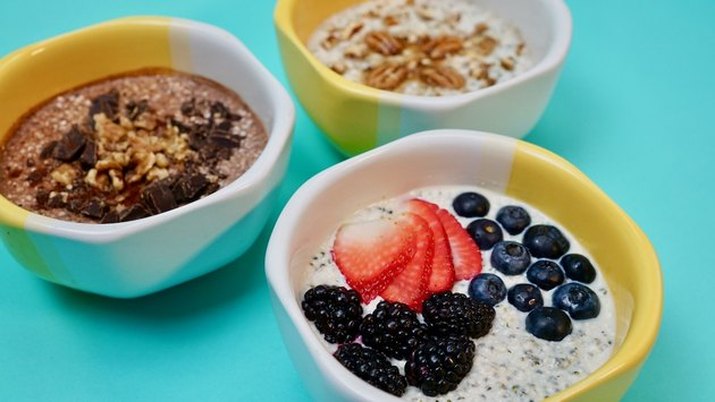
column 48, row 149
column 158, row 198
column 35, row 176
column 135, row 109
column 183, row 128
column 107, row 104
column 234, row 117
column 88, row 158
column 75, row 205
column 220, row 110
column 56, row 201
column 212, row 188
column 224, row 126
column 189, row 187
column 110, row 217
column 197, row 137
column 42, row 197
column 70, row 146
column 93, row 208
column 134, row 212
column 224, row 140
column 212, row 153
column 189, row 107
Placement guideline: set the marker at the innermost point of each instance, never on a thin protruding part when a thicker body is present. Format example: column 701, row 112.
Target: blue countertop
column 634, row 109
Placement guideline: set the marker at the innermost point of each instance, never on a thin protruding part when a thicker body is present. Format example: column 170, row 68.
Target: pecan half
column 487, row 45
column 438, row 48
column 383, row 43
column 387, row 76
column 441, row 76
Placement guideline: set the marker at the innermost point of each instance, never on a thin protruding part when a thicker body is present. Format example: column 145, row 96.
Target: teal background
column 634, row 109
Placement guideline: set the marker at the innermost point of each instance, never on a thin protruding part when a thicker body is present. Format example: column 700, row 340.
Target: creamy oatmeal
column 130, row 146
column 510, row 363
column 421, row 47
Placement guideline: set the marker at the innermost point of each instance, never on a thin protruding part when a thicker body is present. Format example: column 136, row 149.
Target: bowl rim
column 552, row 60
column 278, row 258
column 257, row 174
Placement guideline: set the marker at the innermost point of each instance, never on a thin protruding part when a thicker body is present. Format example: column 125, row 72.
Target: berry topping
column 442, row 276
column 486, row 233
column 392, row 329
column 487, row 288
column 510, row 258
column 513, row 219
column 546, row 241
column 466, row 257
column 438, row 365
column 371, row 366
column 545, row 274
column 578, row 268
column 410, row 285
column 578, row 300
column 450, row 313
column 336, row 312
column 525, row 297
column 370, row 254
column 471, row 205
column 548, row 323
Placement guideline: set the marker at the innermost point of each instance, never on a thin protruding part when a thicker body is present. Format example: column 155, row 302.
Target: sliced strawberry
column 466, row 256
column 369, row 254
column 442, row 276
column 410, row 285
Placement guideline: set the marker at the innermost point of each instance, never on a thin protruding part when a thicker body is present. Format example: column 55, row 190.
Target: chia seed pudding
column 129, row 146
column 510, row 363
column 421, row 47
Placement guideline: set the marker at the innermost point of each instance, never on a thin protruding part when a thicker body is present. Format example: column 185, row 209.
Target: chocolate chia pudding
column 128, row 147
column 421, row 47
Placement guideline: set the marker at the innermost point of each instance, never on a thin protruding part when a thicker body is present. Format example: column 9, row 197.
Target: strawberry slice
column 410, row 285
column 466, row 256
column 369, row 254
column 442, row 276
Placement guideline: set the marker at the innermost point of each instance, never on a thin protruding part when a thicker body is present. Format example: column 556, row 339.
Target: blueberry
column 513, row 219
column 545, row 274
column 546, row 241
column 487, row 288
column 486, row 233
column 471, row 205
column 510, row 258
column 525, row 297
column 578, row 300
column 578, row 268
column 548, row 323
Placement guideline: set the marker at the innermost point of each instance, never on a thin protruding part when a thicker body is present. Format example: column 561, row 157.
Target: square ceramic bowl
column 139, row 257
column 356, row 117
column 455, row 157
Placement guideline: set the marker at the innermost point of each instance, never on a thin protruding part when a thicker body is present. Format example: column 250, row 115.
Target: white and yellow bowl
column 456, row 157
column 139, row 257
column 356, row 118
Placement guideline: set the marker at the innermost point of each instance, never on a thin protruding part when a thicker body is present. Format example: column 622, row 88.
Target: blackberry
column 439, row 364
column 371, row 366
column 450, row 313
column 336, row 312
column 392, row 329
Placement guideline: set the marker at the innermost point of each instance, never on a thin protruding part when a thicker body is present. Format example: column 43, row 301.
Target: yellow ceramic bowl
column 135, row 258
column 356, row 117
column 456, row 157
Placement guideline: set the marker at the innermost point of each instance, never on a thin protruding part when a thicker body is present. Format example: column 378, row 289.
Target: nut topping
column 383, row 43
column 442, row 76
column 438, row 48
column 387, row 76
